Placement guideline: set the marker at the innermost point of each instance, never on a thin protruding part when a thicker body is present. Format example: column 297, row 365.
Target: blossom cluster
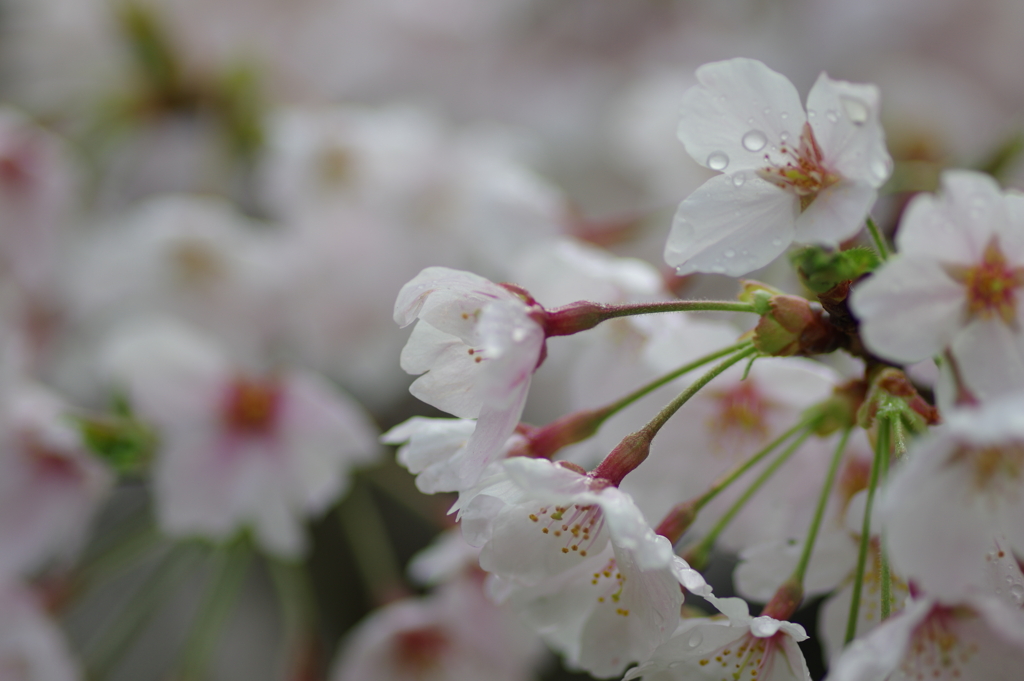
column 236, row 236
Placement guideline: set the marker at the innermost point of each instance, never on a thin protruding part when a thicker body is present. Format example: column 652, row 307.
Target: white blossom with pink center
column 962, row 486
column 477, row 347
column 51, row 487
column 237, row 448
column 956, row 283
column 786, row 175
column 32, row 647
column 974, row 639
column 743, row 648
column 576, row 556
column 454, row 634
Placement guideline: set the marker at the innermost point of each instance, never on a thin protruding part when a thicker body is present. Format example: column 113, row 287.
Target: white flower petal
column 847, row 127
column 731, row 230
column 909, row 310
column 836, row 214
column 738, row 97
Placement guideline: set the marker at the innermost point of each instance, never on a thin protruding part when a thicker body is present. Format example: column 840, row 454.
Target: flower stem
column 634, row 448
column 878, row 238
column 298, row 609
column 733, row 475
column 662, row 417
column 546, row 441
column 643, row 391
column 883, row 473
column 881, row 445
column 697, row 557
column 583, row 315
column 371, row 546
column 101, row 655
column 229, row 569
column 819, row 511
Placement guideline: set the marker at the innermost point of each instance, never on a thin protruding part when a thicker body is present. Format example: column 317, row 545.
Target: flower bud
column 794, row 326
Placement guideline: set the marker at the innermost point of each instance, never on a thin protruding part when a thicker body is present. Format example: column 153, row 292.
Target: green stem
column 655, row 424
column 881, row 444
column 819, row 511
column 700, row 552
column 643, row 391
column 807, row 423
column 634, row 448
column 883, row 473
column 298, row 608
column 146, row 599
column 371, row 547
column 123, row 554
column 878, row 238
column 229, row 569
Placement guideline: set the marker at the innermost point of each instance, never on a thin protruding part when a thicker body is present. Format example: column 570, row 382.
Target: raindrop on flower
column 718, row 160
column 784, row 115
column 518, row 335
column 730, row 253
column 739, row 178
column 784, row 136
column 1018, row 592
column 856, row 110
column 776, row 242
column 696, row 638
column 754, row 140
column 717, row 269
column 832, row 116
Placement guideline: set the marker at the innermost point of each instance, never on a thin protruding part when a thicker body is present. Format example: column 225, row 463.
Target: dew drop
column 767, row 111
column 754, row 140
column 730, row 253
column 1018, row 592
column 675, row 665
column 739, row 178
column 832, row 116
column 696, row 638
column 784, row 136
column 717, row 269
column 880, row 169
column 811, row 113
column 518, row 335
column 718, row 160
column 776, row 242
column 784, row 115
column 856, row 110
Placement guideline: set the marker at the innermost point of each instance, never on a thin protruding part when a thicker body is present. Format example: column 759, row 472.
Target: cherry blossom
column 238, row 448
column 744, row 648
column 577, row 558
column 477, row 347
column 962, row 486
column 971, row 640
column 955, row 284
column 51, row 486
column 32, row 647
column 786, row 175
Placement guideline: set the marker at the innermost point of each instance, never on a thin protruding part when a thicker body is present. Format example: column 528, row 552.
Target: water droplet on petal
column 880, row 169
column 739, row 178
column 1018, row 591
column 717, row 269
column 696, row 638
column 811, row 113
column 767, row 111
column 730, row 253
column 518, row 335
column 856, row 110
column 784, row 136
column 776, row 242
column 832, row 116
column 718, row 160
column 784, row 115
column 754, row 140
